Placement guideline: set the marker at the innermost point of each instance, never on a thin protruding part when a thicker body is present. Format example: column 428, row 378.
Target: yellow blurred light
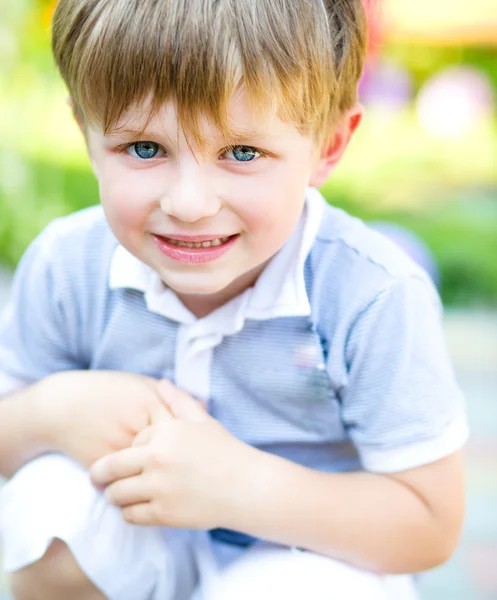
column 443, row 21
column 48, row 13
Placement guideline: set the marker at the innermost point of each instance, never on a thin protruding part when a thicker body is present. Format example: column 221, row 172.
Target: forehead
column 243, row 122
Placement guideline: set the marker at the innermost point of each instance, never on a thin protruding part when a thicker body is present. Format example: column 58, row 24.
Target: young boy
column 309, row 445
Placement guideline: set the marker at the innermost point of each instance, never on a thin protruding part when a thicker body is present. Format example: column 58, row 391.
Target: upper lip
column 194, row 238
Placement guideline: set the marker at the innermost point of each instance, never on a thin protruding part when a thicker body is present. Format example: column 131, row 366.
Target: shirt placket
column 193, row 360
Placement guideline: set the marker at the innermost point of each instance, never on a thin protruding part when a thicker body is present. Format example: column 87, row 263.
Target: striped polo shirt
column 334, row 359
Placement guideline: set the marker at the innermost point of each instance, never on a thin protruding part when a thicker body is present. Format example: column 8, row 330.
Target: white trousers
column 52, row 497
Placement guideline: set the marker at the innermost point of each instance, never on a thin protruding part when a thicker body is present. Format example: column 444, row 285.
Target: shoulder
column 349, row 258
column 80, row 242
column 75, row 230
column 342, row 236
column 352, row 267
column 70, row 258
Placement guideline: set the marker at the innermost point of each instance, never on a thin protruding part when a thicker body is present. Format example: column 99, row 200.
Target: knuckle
column 110, row 467
column 129, row 515
column 162, row 513
column 109, row 471
column 157, row 458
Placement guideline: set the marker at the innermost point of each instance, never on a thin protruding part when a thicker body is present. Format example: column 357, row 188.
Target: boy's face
column 165, row 201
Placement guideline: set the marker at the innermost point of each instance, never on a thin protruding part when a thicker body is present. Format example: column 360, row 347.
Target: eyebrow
column 131, row 132
column 246, row 134
column 249, row 135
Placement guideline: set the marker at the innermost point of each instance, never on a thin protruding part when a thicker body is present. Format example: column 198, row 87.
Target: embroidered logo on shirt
column 308, row 356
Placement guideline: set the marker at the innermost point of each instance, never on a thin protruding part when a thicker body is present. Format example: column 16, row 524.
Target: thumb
column 181, row 404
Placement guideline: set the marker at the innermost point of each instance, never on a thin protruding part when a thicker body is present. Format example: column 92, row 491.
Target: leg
column 55, row 576
column 59, row 533
column 268, row 571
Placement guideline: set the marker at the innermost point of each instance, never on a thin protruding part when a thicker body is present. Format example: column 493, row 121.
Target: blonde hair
column 302, row 58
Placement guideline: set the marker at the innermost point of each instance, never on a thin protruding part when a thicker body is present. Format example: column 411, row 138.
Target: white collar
column 280, row 290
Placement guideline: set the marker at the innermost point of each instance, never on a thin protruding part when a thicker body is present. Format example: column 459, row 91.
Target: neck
column 202, row 305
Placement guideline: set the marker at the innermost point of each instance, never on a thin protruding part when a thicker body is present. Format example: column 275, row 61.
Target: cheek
column 279, row 195
column 271, row 209
column 126, row 198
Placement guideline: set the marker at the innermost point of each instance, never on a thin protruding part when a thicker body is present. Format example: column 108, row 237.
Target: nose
column 189, row 197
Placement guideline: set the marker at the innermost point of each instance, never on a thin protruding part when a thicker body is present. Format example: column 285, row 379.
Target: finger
column 181, row 404
column 125, row 463
column 124, row 492
column 144, row 437
column 140, row 514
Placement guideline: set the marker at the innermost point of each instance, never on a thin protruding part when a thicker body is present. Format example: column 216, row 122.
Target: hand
column 88, row 414
column 180, row 472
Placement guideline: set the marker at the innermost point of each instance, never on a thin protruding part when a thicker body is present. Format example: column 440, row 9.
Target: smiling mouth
column 203, row 244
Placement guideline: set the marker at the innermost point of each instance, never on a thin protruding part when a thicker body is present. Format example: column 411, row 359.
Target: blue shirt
column 335, row 359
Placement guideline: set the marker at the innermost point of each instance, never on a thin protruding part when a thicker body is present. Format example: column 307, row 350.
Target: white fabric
column 268, row 571
column 127, row 562
column 280, row 290
column 124, row 561
column 424, row 452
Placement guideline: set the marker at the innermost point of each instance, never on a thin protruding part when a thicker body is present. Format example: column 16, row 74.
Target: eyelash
column 126, row 147
column 260, row 153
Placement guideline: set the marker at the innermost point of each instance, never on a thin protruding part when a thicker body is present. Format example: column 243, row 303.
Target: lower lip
column 193, row 255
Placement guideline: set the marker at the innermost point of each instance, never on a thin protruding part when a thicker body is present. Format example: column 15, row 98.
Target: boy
column 313, row 407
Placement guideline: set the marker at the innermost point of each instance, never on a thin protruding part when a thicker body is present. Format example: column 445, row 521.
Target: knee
column 56, row 576
column 272, row 572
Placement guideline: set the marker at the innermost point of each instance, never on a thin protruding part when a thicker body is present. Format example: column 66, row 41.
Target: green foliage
column 424, row 61
column 51, row 191
column 461, row 233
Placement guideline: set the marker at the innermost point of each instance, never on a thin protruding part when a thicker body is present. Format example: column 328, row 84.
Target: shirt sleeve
column 401, row 405
column 38, row 333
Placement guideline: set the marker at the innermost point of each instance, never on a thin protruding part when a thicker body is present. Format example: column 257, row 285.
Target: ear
column 333, row 147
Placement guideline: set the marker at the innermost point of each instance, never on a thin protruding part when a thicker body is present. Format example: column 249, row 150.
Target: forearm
column 83, row 414
column 372, row 521
column 22, row 435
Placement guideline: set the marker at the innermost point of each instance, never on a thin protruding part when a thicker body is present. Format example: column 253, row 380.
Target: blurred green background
column 425, row 156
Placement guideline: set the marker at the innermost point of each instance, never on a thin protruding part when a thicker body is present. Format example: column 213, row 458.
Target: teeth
column 215, row 242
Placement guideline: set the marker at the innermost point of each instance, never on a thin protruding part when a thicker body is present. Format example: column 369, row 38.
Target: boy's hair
column 301, row 58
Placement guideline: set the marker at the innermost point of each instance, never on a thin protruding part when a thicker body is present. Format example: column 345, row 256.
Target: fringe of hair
column 300, row 58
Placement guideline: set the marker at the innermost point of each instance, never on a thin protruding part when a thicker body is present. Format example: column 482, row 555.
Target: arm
column 21, row 435
column 46, row 347
column 190, row 472
column 83, row 414
column 396, row 523
column 400, row 407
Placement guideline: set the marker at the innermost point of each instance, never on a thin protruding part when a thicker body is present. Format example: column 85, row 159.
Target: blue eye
column 144, row 150
column 242, row 153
